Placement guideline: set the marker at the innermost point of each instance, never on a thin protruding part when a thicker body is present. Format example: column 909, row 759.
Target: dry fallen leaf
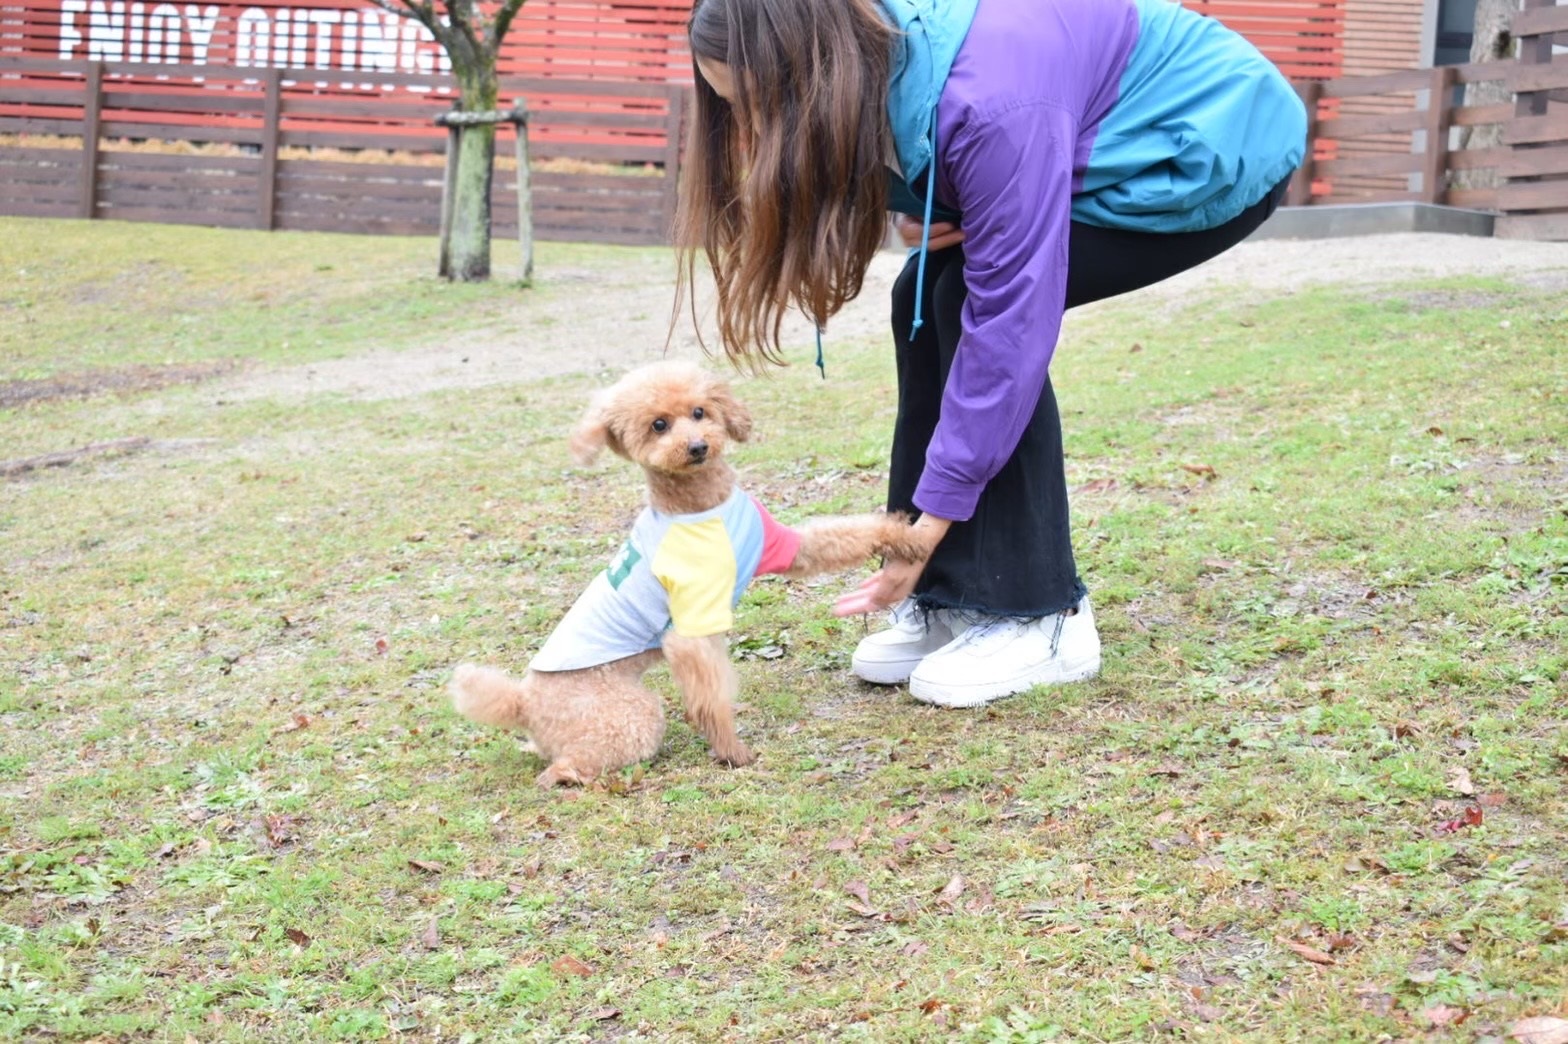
column 429, row 866
column 1542, row 1029
column 952, row 890
column 297, row 937
column 605, row 1014
column 859, row 890
column 1495, row 800
column 1440, row 1015
column 1306, row 952
column 280, row 828
column 431, row 937
column 841, row 844
column 1460, row 782
column 981, row 902
column 1473, row 816
column 569, row 965
column 1201, row 470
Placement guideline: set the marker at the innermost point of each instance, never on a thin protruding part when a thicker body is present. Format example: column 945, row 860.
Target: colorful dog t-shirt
column 680, row 572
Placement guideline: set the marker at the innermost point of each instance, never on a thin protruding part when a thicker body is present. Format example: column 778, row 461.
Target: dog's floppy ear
column 737, row 418
column 594, row 431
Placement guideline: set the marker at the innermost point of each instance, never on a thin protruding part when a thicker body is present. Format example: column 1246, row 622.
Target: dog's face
column 670, row 417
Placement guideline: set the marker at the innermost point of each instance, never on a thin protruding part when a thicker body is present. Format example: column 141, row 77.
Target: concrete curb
column 1372, row 219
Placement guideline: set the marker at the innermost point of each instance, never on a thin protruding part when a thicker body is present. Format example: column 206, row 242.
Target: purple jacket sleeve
column 1012, row 176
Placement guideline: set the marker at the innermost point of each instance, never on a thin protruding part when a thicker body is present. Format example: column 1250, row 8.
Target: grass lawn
column 1317, row 794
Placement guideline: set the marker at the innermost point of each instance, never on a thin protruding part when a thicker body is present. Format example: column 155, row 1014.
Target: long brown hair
column 784, row 189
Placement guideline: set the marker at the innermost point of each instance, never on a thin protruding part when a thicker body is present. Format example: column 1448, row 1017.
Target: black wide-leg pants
column 1014, row 557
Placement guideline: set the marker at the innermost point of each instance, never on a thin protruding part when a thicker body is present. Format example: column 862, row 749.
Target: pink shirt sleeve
column 779, row 543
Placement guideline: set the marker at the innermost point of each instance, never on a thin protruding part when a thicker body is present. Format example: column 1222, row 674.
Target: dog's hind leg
column 561, row 771
column 708, row 685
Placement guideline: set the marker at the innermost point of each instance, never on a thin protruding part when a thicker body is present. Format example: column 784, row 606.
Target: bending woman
column 1043, row 154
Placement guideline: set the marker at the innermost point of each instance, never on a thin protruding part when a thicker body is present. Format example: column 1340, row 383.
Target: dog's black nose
column 697, row 449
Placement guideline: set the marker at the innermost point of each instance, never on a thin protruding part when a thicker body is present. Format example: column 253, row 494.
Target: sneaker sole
column 884, row 673
column 945, row 696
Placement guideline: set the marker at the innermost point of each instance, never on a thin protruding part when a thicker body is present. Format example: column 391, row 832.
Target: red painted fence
column 352, row 47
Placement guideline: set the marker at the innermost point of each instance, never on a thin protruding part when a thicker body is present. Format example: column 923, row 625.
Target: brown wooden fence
column 249, row 135
column 277, row 149
column 1530, row 164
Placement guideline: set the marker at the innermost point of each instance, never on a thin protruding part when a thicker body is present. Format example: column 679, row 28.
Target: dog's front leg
column 832, row 545
column 708, row 685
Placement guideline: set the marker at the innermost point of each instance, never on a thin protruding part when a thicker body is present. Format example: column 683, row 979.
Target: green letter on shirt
column 622, row 565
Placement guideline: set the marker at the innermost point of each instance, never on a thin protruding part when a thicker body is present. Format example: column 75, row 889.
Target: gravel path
column 615, row 315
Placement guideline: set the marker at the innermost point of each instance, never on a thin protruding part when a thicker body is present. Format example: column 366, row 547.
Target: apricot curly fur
column 585, row 723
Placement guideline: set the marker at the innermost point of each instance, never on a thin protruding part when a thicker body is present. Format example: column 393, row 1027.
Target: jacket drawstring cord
column 925, row 234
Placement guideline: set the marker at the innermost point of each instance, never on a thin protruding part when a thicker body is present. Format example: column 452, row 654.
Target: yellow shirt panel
column 696, row 565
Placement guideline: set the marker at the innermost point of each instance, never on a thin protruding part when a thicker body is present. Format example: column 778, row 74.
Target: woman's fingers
column 943, row 233
column 861, row 600
column 881, row 590
column 946, row 239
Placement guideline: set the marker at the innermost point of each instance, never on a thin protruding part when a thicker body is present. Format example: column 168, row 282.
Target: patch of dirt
column 577, row 320
column 1443, row 300
column 119, row 380
column 94, row 451
column 610, row 318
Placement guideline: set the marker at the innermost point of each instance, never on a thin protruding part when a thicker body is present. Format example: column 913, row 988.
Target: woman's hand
column 943, row 233
column 896, row 579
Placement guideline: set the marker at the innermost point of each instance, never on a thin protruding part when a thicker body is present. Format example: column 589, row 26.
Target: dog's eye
column 697, row 413
column 661, row 425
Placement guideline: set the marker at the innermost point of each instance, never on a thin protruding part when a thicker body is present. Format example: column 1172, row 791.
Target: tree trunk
column 1492, row 43
column 469, row 236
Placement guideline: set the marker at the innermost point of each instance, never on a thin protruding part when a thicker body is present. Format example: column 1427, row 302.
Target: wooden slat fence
column 352, row 48
column 1532, row 161
column 1380, row 36
column 238, row 156
column 243, row 129
column 1303, row 37
column 638, row 40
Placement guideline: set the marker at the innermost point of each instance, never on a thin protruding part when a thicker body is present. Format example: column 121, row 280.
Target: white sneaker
column 887, row 657
column 999, row 656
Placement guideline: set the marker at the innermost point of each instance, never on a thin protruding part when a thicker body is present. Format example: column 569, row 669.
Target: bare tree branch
column 423, row 13
column 503, row 22
column 461, row 12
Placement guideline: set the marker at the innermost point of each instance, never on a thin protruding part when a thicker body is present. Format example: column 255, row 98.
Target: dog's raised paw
column 897, row 540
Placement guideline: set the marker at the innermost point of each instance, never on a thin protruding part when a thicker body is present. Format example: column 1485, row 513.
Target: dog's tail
column 490, row 697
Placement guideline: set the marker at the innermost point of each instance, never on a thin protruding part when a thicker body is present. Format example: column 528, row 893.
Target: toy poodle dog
column 669, row 593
